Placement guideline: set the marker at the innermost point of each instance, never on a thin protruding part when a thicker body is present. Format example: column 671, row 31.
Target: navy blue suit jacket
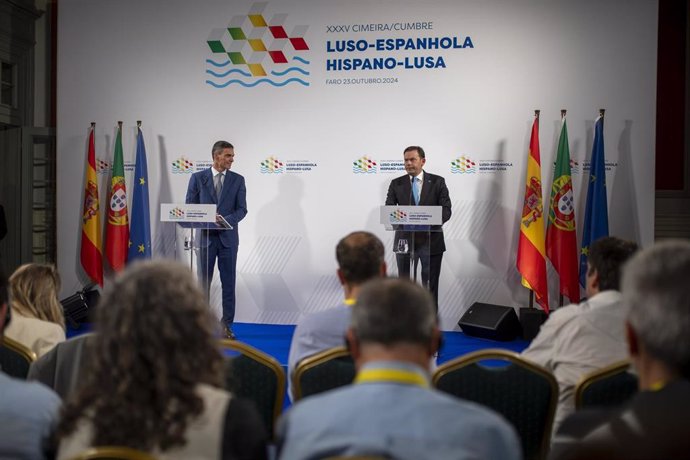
column 232, row 204
column 434, row 193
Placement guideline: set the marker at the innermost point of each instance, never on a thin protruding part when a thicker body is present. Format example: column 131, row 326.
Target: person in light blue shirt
column 360, row 257
column 28, row 411
column 390, row 410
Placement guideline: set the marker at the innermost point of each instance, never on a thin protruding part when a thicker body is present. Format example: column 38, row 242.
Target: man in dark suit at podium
column 420, row 188
column 224, row 188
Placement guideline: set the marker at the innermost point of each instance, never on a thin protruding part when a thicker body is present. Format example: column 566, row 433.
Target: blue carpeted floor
column 274, row 339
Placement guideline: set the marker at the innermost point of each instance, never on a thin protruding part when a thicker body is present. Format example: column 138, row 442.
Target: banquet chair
column 15, row 358
column 524, row 393
column 256, row 376
column 323, row 371
column 610, row 386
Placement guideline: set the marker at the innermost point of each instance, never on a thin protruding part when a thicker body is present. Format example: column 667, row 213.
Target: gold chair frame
column 313, row 361
column 25, row 352
column 113, row 452
column 588, row 379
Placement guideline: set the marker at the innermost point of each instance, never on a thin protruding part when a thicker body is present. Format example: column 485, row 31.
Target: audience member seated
column 38, row 320
column 360, row 258
column 155, row 376
column 390, row 410
column 580, row 338
column 60, row 369
column 28, row 411
column 654, row 424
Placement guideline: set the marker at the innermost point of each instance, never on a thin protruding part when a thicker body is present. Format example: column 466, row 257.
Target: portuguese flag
column 531, row 258
column 561, row 239
column 117, row 228
column 90, row 251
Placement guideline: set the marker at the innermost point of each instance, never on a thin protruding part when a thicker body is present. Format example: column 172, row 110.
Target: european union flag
column 596, row 212
column 140, row 226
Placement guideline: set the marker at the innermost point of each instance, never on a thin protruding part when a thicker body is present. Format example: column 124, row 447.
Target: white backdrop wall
column 304, row 133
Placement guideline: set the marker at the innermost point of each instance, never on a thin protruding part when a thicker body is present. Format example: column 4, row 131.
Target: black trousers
column 431, row 270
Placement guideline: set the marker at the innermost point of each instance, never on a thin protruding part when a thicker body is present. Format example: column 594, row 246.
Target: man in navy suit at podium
column 420, row 188
column 224, row 188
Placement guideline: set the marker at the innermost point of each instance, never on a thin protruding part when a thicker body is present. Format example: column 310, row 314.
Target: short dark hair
column 391, row 311
column 607, row 256
column 220, row 145
column 417, row 148
column 359, row 256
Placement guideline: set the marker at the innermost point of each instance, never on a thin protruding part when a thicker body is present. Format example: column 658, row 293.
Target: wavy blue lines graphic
column 257, row 82
column 220, row 75
column 217, row 64
column 291, row 69
column 219, row 69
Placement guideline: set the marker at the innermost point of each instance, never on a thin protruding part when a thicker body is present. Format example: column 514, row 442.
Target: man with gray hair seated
column 390, row 409
column 655, row 423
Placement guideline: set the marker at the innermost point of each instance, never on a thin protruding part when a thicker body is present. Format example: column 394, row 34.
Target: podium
column 413, row 227
column 194, row 225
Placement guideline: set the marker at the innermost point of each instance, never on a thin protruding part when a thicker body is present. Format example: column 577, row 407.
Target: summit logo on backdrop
column 463, row 165
column 102, row 166
column 182, row 166
column 256, row 48
column 364, row 165
column 272, row 165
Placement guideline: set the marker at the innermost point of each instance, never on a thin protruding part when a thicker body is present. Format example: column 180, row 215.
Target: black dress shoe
column 227, row 332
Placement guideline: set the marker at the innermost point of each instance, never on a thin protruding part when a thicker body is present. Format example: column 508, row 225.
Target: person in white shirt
column 580, row 338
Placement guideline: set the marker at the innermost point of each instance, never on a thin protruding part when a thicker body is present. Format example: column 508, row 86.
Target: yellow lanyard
column 391, row 375
column 349, row 302
column 656, row 386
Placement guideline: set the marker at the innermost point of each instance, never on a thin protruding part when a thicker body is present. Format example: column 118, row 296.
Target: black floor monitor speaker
column 79, row 307
column 488, row 321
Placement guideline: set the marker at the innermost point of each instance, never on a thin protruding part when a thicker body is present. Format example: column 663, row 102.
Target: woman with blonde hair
column 38, row 321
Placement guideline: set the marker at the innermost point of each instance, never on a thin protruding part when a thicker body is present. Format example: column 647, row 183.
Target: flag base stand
column 531, row 320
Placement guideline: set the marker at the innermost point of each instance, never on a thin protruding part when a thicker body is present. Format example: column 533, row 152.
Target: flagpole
column 531, row 291
column 138, row 123
column 560, row 295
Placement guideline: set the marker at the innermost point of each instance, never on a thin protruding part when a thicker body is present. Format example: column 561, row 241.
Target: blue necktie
column 415, row 190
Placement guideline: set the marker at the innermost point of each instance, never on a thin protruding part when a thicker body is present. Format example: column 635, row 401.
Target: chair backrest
column 323, row 371
column 610, row 386
column 113, row 453
column 15, row 358
column 256, row 376
column 524, row 393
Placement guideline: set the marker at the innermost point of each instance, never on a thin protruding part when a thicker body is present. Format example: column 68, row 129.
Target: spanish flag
column 91, row 258
column 531, row 259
